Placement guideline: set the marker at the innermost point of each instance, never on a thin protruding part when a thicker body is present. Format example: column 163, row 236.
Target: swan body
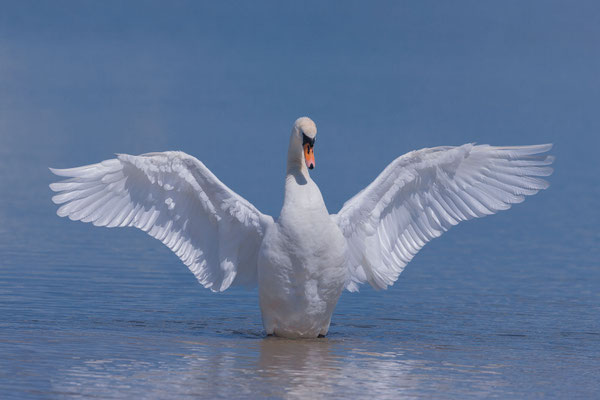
column 301, row 269
column 302, row 260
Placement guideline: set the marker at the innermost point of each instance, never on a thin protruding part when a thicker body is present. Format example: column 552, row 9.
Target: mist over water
column 506, row 306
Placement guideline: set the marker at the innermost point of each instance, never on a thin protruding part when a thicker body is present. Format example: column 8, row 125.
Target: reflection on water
column 300, row 368
column 270, row 367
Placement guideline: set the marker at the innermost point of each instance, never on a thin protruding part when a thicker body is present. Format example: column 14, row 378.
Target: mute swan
column 302, row 260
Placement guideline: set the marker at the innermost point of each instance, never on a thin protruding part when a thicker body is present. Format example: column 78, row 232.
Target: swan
column 302, row 260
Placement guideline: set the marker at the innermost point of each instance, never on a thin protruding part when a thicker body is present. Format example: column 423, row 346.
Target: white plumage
column 303, row 260
column 174, row 198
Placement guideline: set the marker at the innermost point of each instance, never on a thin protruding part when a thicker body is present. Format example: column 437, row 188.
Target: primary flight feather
column 302, row 260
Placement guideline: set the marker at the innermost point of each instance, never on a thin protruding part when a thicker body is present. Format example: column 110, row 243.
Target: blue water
column 507, row 306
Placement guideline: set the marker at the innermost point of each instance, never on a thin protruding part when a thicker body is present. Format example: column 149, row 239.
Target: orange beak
column 309, row 156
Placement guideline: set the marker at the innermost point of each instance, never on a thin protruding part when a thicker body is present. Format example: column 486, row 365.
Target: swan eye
column 306, row 139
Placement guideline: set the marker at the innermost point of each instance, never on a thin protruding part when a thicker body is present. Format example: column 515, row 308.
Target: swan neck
column 295, row 158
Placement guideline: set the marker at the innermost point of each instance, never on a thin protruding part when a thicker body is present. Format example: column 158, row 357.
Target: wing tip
column 55, row 198
column 57, row 171
column 530, row 149
column 543, row 147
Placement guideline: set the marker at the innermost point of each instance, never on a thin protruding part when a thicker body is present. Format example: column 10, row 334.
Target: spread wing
column 174, row 198
column 423, row 193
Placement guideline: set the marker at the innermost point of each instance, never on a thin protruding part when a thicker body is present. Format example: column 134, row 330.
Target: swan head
column 305, row 132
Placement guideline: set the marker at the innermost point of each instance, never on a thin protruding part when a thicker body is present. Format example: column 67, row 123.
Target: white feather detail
column 423, row 193
column 174, row 198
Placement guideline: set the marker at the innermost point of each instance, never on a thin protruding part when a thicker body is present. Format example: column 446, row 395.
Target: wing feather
column 174, row 198
column 422, row 194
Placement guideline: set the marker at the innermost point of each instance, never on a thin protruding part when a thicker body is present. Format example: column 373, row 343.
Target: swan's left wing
column 174, row 198
column 423, row 193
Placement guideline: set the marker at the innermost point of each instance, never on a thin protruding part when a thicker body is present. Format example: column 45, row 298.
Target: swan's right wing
column 423, row 193
column 174, row 198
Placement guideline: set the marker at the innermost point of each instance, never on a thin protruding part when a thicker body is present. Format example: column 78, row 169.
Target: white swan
column 305, row 258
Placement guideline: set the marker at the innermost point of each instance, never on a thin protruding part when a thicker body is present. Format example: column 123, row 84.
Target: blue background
column 224, row 81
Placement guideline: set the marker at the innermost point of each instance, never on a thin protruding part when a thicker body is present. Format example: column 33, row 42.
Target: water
column 507, row 306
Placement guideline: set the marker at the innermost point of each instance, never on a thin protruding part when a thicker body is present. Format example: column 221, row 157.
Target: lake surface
column 503, row 307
